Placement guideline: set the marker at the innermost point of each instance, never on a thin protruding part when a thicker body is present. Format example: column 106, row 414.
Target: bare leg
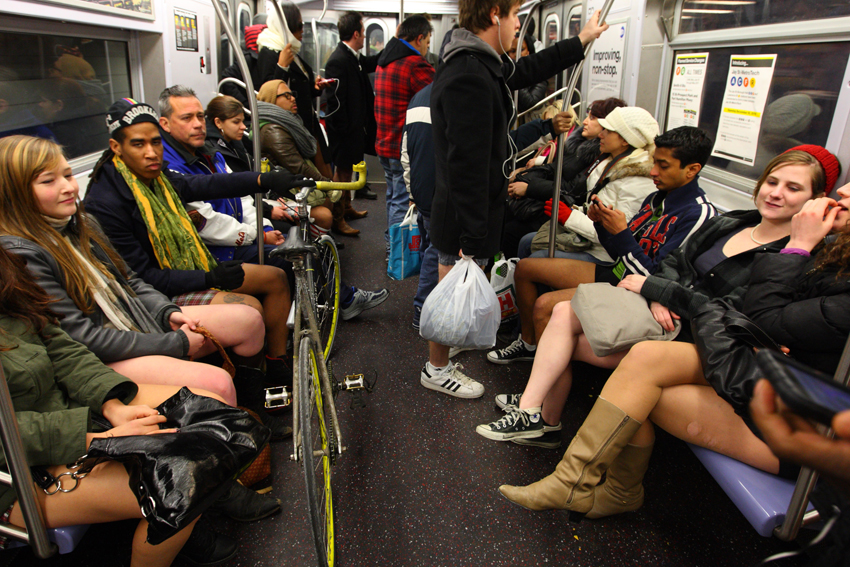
column 696, row 414
column 322, row 216
column 438, row 355
column 270, row 283
column 154, row 394
column 545, row 304
column 236, row 326
column 233, row 298
column 557, row 273
column 175, row 373
column 556, row 399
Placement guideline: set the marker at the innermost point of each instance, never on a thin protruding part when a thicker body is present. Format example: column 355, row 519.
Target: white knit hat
column 635, row 125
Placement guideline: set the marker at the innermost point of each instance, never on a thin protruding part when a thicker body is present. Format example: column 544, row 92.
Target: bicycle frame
column 306, row 306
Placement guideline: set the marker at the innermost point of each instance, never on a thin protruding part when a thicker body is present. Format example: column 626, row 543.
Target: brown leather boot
column 600, row 439
column 339, row 225
column 622, row 490
column 350, row 213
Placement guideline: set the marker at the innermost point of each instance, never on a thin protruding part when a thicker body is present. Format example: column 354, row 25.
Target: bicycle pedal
column 277, row 397
column 354, row 382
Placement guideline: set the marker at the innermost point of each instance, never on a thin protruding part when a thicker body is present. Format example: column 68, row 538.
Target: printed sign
column 605, row 63
column 186, row 30
column 686, row 90
column 747, row 86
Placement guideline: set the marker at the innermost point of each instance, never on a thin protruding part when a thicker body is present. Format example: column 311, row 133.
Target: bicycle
column 317, row 440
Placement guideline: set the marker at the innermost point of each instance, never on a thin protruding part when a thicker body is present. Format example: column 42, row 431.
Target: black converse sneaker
column 505, row 400
column 516, row 424
column 549, row 440
column 514, row 352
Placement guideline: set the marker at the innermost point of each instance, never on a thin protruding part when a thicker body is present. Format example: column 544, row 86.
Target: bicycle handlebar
column 359, row 169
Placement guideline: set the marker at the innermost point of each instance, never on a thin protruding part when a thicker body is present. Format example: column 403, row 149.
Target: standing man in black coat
column 471, row 106
column 350, row 102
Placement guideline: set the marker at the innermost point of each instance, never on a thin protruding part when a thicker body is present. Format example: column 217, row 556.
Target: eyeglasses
column 289, row 96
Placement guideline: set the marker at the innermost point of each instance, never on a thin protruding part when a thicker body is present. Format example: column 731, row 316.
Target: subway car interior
column 414, row 484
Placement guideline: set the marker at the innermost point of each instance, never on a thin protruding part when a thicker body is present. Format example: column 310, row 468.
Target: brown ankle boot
column 350, row 213
column 600, row 439
column 339, row 225
column 622, row 490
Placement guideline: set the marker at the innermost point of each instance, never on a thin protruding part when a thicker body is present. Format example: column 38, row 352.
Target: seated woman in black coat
column 802, row 302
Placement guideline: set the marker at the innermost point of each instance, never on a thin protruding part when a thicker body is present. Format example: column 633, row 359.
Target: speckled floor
column 418, row 487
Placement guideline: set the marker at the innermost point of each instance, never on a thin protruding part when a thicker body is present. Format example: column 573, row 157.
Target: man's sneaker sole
column 549, row 440
column 498, row 436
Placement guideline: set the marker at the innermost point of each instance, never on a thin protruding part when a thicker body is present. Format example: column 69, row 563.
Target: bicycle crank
column 357, row 384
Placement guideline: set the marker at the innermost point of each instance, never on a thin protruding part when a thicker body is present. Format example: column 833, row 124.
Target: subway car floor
column 417, row 486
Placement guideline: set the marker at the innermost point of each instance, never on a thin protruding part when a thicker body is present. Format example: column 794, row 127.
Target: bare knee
column 322, row 216
column 218, row 384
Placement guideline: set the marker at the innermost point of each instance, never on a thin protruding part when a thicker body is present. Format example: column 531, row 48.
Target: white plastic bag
column 462, row 311
column 502, row 280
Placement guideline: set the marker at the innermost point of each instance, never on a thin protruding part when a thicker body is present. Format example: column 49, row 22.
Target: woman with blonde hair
column 129, row 325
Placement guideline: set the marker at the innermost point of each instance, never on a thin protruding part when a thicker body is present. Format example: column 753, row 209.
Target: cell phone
column 806, row 391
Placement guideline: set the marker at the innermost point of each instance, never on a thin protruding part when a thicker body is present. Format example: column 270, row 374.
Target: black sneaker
column 549, row 440
column 504, row 401
column 205, row 547
column 514, row 352
column 244, row 505
column 516, row 424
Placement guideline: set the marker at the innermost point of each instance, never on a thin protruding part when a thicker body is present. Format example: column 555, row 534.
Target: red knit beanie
column 828, row 162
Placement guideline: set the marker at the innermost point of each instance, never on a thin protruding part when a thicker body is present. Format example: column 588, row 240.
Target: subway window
column 800, row 102
column 706, row 15
column 375, row 39
column 59, row 87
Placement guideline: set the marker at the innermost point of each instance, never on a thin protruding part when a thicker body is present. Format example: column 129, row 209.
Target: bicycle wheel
column 316, row 447
column 326, row 283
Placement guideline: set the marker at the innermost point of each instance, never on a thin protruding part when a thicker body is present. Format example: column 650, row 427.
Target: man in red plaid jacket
column 402, row 72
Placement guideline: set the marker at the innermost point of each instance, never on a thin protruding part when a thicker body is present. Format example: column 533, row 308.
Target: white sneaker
column 452, row 382
column 454, row 351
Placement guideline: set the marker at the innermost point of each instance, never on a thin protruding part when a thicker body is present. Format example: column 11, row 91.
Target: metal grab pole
column 517, row 55
column 537, row 105
column 16, row 461
column 556, row 192
column 255, row 120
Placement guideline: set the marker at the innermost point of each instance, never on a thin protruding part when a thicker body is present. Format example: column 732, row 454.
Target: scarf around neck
column 305, row 141
column 176, row 243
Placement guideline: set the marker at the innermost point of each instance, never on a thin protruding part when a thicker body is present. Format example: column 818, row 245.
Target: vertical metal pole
column 400, row 12
column 16, row 460
column 255, row 119
column 517, row 55
column 556, row 192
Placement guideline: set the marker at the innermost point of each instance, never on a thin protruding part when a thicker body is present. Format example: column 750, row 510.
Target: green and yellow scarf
column 176, row 243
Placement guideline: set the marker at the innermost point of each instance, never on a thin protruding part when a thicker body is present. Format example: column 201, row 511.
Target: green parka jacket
column 55, row 383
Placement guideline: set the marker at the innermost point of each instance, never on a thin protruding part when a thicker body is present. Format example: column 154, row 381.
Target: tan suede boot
column 622, row 490
column 339, row 225
column 600, row 439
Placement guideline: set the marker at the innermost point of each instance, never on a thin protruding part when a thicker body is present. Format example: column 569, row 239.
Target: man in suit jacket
column 351, row 102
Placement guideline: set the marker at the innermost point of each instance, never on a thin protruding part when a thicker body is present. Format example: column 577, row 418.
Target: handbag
column 566, row 240
column 502, row 281
column 725, row 339
column 177, row 476
column 614, row 319
column 405, row 242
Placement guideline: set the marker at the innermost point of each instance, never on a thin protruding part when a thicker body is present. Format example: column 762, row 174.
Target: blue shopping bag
column 405, row 241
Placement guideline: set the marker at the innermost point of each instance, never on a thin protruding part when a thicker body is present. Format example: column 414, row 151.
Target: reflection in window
column 328, row 40
column 800, row 105
column 374, row 39
column 705, row 15
column 244, row 22
column 59, row 87
column 551, row 36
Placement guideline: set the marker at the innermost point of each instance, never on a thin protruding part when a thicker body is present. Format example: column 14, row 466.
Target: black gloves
column 227, row 275
column 281, row 181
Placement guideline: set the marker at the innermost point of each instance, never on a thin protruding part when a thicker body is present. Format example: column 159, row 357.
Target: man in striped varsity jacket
column 668, row 216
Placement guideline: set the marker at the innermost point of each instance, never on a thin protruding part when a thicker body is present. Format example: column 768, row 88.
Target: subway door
column 191, row 57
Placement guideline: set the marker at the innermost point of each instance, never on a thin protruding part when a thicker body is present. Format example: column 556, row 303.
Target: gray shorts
column 450, row 259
